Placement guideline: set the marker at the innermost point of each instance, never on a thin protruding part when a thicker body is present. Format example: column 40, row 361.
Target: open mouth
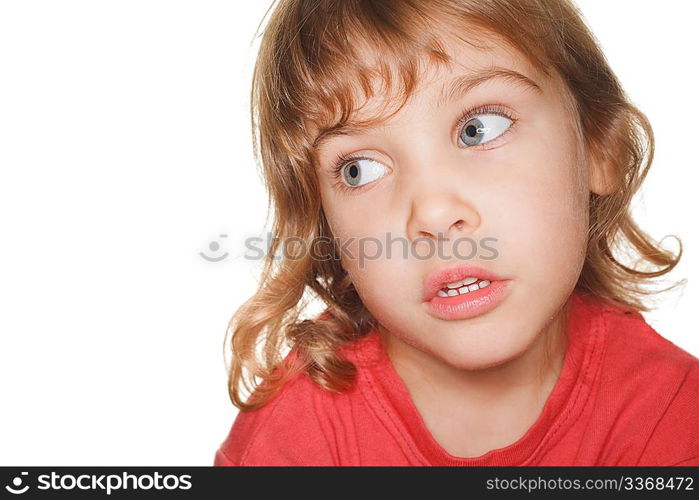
column 462, row 287
column 463, row 292
column 458, row 280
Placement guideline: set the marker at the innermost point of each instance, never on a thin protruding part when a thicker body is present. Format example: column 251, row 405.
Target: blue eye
column 478, row 126
column 483, row 128
column 357, row 171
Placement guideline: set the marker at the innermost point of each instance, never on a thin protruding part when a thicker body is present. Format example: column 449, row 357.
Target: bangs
column 345, row 53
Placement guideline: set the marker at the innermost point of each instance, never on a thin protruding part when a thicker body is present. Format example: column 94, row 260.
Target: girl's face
column 508, row 181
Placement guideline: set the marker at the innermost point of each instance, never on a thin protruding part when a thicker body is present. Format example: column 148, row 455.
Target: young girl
column 456, row 177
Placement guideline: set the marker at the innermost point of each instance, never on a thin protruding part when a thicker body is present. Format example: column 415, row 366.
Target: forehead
column 469, row 64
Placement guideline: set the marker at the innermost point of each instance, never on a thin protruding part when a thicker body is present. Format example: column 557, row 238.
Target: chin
column 467, row 356
column 471, row 363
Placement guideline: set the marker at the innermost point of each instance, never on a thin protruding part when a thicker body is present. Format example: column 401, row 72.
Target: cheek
column 348, row 213
column 545, row 227
column 360, row 238
column 375, row 276
column 554, row 241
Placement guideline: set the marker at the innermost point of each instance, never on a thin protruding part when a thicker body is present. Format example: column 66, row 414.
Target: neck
column 470, row 412
column 525, row 381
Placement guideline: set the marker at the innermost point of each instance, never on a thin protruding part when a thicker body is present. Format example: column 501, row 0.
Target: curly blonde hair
column 312, row 68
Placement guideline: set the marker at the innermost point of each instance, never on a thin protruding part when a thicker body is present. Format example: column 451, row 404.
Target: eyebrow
column 461, row 85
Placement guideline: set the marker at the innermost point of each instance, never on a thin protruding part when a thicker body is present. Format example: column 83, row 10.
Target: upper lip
column 436, row 280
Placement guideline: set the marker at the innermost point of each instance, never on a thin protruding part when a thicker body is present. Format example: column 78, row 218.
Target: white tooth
column 463, row 289
column 451, row 293
column 473, row 287
column 484, row 283
column 465, row 281
column 442, row 293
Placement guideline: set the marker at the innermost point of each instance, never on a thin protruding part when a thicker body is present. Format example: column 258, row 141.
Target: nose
column 441, row 215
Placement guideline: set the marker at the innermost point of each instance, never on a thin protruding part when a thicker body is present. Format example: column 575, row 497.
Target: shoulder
column 635, row 346
column 297, row 427
column 674, row 439
column 658, row 381
column 282, row 432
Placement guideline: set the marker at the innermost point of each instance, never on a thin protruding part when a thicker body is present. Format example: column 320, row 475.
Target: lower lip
column 469, row 305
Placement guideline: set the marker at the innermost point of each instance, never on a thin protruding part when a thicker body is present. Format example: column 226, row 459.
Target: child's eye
column 483, row 129
column 357, row 171
column 482, row 125
column 477, row 127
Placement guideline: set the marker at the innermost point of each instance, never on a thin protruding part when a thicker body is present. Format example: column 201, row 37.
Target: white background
column 125, row 150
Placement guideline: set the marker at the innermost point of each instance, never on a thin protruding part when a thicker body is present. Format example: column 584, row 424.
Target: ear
column 601, row 177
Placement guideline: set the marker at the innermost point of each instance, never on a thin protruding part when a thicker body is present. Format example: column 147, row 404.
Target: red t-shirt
column 625, row 396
